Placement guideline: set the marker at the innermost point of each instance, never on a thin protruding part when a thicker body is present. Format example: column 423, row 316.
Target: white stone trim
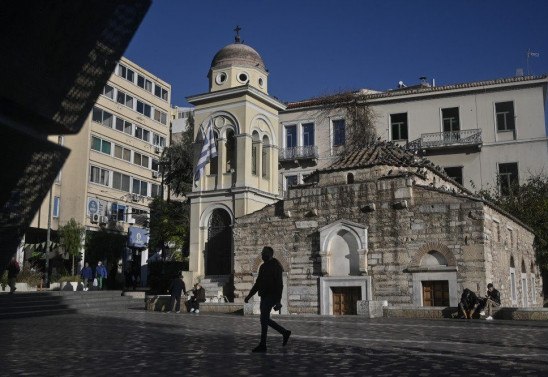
column 326, row 283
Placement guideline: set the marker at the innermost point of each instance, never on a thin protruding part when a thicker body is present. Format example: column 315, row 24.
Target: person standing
column 491, row 301
column 87, row 276
column 269, row 284
column 198, row 295
column 101, row 275
column 13, row 270
column 176, row 288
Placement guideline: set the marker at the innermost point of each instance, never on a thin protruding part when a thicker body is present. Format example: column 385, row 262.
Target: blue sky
column 316, row 47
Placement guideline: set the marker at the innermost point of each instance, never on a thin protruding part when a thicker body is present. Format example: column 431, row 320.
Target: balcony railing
column 447, row 139
column 299, row 153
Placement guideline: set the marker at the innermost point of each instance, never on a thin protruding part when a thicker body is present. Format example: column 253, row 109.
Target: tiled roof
column 417, row 90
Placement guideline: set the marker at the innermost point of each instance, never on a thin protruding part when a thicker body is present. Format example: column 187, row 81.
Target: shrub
column 30, row 276
column 68, row 278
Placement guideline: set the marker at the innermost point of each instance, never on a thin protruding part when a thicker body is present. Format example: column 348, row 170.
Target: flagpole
column 528, row 54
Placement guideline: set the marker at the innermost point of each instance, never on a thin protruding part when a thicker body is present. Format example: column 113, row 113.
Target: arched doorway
column 219, row 244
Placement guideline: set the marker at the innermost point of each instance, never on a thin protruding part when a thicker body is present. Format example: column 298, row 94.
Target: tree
column 529, row 203
column 70, row 236
column 169, row 225
column 359, row 118
column 177, row 162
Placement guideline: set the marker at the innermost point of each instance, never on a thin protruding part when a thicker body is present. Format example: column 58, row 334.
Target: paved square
column 139, row 343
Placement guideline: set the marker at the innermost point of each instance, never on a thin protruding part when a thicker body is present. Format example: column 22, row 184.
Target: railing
column 446, row 139
column 299, row 153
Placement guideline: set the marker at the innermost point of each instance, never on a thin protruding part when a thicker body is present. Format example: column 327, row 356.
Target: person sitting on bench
column 468, row 303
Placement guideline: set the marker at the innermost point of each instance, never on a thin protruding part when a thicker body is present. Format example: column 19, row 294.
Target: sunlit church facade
column 383, row 225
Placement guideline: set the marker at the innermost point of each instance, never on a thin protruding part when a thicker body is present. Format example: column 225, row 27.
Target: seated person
column 198, row 295
column 492, row 300
column 468, row 303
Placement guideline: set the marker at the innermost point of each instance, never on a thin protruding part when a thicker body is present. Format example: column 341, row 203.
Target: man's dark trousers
column 267, row 303
column 178, row 299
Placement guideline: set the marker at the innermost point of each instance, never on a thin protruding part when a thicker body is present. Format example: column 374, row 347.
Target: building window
column 160, row 92
column 398, row 124
column 98, row 175
column 533, row 288
column 308, row 134
column 155, row 190
column 102, row 116
column 101, row 145
column 455, row 173
column 141, row 133
column 139, row 187
column 339, row 132
column 505, row 116
column 158, row 140
column 230, row 150
column 450, row 119
column 125, row 72
column 155, row 165
column 160, row 116
column 123, row 126
column 255, row 152
column 265, row 160
column 120, row 181
column 291, row 180
column 144, row 108
column 108, row 91
column 122, row 153
column 140, row 159
column 118, row 212
column 124, row 99
column 144, row 83
column 291, row 136
column 56, row 205
column 508, row 177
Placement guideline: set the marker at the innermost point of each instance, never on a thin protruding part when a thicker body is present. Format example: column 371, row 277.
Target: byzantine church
column 379, row 225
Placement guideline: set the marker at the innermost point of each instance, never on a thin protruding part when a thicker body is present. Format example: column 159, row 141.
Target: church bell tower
column 243, row 176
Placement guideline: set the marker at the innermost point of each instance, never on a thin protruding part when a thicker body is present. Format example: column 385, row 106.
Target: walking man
column 100, row 274
column 87, row 276
column 269, row 284
column 176, row 288
column 13, row 271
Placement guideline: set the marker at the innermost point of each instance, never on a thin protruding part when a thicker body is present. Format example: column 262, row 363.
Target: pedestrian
column 87, row 276
column 13, row 270
column 269, row 284
column 198, row 295
column 492, row 300
column 100, row 275
column 176, row 288
column 468, row 303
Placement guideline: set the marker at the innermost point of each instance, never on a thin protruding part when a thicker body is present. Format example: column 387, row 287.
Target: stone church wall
column 407, row 222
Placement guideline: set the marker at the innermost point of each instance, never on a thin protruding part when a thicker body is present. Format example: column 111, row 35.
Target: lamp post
column 48, row 239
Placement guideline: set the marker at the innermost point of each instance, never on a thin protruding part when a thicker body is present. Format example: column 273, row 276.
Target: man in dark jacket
column 491, row 301
column 87, row 276
column 468, row 303
column 198, row 295
column 13, row 270
column 176, row 288
column 269, row 284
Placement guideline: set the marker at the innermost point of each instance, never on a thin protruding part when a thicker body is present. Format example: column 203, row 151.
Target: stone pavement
column 138, row 343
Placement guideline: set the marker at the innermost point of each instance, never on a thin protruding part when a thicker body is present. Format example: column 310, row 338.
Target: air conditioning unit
column 157, row 149
column 135, row 197
column 103, row 219
column 113, row 218
column 95, row 218
column 155, row 174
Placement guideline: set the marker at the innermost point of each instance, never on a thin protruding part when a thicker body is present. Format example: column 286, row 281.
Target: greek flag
column 209, row 150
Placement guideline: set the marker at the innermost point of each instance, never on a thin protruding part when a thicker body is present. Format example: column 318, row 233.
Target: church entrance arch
column 219, row 244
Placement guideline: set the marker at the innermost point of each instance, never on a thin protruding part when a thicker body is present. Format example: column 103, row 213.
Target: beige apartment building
column 112, row 173
column 485, row 134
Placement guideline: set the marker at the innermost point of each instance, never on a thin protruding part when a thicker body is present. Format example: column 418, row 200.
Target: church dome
column 237, row 54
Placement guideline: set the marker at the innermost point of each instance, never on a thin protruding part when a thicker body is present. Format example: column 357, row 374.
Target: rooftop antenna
column 237, row 37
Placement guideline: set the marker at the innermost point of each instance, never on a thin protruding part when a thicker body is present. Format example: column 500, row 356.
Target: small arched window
column 350, row 178
column 213, row 168
column 255, row 152
column 512, row 264
column 230, row 146
column 265, row 158
column 523, row 269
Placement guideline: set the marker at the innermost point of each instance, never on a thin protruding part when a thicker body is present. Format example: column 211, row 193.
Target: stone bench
column 531, row 314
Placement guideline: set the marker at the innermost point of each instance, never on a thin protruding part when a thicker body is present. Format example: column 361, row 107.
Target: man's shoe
column 192, row 310
column 489, row 318
column 196, row 311
column 259, row 348
column 178, row 311
column 286, row 337
column 482, row 313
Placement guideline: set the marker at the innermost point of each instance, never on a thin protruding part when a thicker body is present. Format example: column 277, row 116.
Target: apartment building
column 112, row 173
column 485, row 134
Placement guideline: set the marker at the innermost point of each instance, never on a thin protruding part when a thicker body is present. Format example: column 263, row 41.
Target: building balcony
column 296, row 154
column 462, row 141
